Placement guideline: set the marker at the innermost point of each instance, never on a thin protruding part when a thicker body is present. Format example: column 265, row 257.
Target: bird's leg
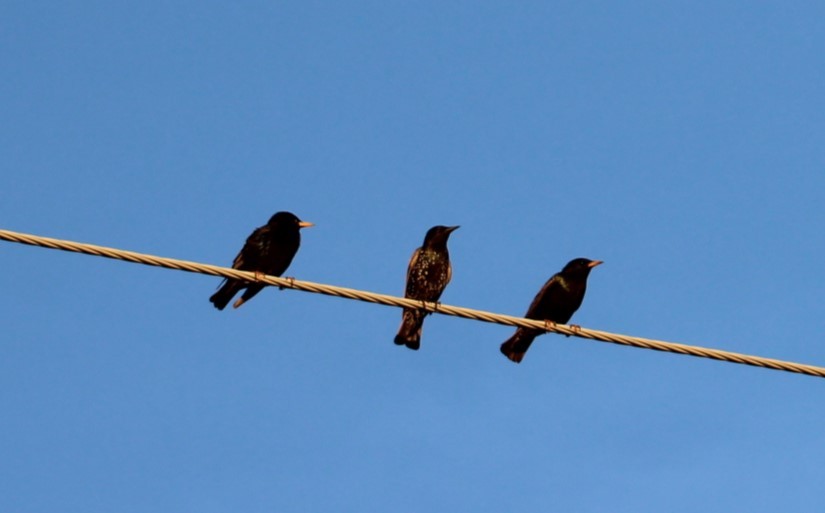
column 548, row 324
column 259, row 276
column 291, row 281
column 424, row 307
column 575, row 328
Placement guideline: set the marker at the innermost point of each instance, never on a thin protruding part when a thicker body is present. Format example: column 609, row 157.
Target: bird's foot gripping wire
column 435, row 305
column 575, row 328
column 259, row 276
column 291, row 281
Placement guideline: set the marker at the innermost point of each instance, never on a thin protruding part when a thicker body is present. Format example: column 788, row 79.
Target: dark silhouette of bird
column 556, row 302
column 269, row 250
column 428, row 274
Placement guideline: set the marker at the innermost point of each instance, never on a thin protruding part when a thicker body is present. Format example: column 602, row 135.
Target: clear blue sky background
column 680, row 142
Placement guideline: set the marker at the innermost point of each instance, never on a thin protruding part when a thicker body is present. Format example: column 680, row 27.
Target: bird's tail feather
column 225, row 293
column 248, row 294
column 409, row 334
column 516, row 346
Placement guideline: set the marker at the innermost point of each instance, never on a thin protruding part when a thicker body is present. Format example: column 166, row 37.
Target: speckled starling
column 428, row 274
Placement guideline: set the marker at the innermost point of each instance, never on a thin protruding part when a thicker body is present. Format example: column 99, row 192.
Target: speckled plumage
column 268, row 250
column 428, row 274
column 557, row 301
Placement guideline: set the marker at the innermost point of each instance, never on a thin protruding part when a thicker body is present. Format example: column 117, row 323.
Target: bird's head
column 286, row 220
column 438, row 235
column 580, row 266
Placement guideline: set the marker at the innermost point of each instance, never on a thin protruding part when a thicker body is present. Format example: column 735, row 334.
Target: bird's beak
column 451, row 229
column 305, row 224
column 594, row 263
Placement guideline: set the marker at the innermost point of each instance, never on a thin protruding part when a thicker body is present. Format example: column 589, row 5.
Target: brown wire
column 384, row 299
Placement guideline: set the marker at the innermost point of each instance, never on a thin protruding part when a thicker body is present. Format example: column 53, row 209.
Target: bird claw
column 548, row 324
column 291, row 281
column 575, row 328
column 259, row 276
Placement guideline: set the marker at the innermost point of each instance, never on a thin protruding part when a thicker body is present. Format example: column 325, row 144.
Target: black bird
column 428, row 274
column 269, row 250
column 557, row 301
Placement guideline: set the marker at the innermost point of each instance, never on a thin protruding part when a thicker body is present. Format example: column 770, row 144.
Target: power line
column 384, row 299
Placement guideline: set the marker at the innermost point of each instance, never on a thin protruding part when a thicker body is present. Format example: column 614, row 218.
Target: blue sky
column 679, row 142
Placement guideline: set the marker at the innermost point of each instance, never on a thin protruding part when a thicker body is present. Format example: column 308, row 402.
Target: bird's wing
column 535, row 310
column 249, row 255
column 413, row 262
column 410, row 267
column 238, row 263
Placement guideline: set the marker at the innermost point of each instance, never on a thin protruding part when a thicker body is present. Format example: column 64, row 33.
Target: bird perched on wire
column 556, row 302
column 268, row 250
column 428, row 274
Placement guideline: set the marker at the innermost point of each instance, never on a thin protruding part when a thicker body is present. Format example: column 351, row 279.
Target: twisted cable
column 384, row 299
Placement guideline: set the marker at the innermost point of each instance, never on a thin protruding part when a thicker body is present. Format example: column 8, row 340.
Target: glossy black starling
column 428, row 274
column 557, row 301
column 269, row 250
